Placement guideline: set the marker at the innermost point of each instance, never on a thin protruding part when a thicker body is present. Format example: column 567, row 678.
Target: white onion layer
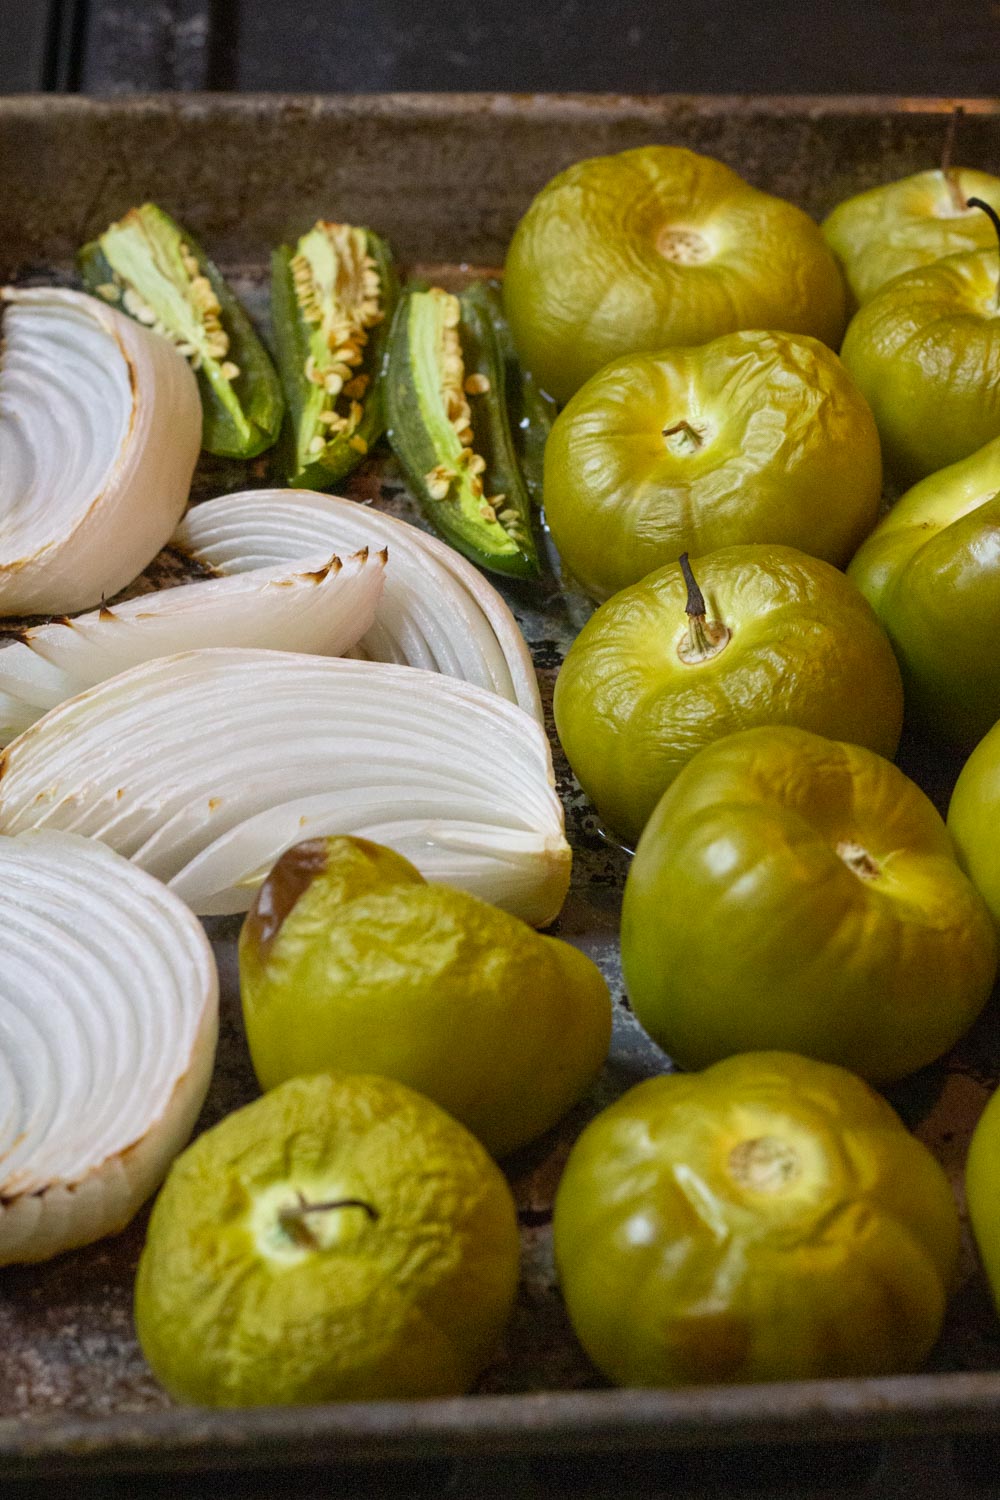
column 321, row 610
column 438, row 611
column 100, row 427
column 108, row 1022
column 205, row 767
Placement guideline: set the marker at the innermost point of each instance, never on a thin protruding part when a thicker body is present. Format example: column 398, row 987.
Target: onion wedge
column 205, row 767
column 438, row 611
column 108, row 1022
column 100, row 427
column 321, row 610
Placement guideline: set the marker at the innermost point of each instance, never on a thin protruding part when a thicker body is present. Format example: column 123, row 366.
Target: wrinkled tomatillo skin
column 801, row 646
column 349, row 960
column 925, row 353
column 982, row 1190
column 756, row 437
column 796, row 893
column 768, row 1219
column 340, row 1239
column 974, row 818
column 931, row 571
column 903, row 225
column 659, row 246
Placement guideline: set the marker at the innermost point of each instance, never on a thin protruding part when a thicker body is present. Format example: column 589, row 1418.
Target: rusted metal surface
column 447, row 178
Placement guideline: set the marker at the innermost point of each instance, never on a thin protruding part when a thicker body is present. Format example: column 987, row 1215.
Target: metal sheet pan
column 446, row 177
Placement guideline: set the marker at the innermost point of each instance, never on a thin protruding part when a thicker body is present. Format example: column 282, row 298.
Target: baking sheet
column 447, row 178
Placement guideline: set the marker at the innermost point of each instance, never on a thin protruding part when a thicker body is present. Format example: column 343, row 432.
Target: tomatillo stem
column 703, row 640
column 947, row 170
column 292, row 1220
column 325, row 1208
column 857, row 859
column 994, row 219
column 696, row 600
column 688, row 431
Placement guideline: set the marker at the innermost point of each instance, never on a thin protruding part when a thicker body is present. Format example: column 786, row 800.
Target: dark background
column 932, row 47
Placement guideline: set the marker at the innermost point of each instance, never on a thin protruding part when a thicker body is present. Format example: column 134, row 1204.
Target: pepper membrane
column 449, row 428
column 154, row 270
column 333, row 295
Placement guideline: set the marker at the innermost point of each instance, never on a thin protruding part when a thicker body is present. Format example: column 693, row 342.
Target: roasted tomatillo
column 925, row 353
column 768, row 1219
column 931, row 571
column 793, row 892
column 770, row 637
column 350, row 960
column 341, row 1239
column 903, row 225
column 974, row 819
column 654, row 247
column 755, row 437
column 982, row 1190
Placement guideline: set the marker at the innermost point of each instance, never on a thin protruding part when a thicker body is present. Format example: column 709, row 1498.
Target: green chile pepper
column 332, row 299
column 449, row 428
column 150, row 267
column 530, row 409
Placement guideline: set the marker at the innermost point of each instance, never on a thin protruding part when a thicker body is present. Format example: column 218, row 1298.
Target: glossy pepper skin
column 633, row 704
column 974, row 817
column 903, row 225
column 530, row 411
column 147, row 255
column 350, row 961
column 925, row 354
column 448, row 426
column 305, row 308
column 755, row 437
column 768, row 1219
column 793, row 892
column 654, row 247
column 931, row 571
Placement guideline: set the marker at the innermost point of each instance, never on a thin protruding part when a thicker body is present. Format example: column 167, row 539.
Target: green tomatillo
column 350, row 960
column 850, row 932
column 771, row 636
column 931, row 570
column 925, row 352
column 982, row 1191
column 341, row 1239
column 768, row 1219
column 659, row 246
column 903, row 225
column 974, row 817
column 755, row 437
